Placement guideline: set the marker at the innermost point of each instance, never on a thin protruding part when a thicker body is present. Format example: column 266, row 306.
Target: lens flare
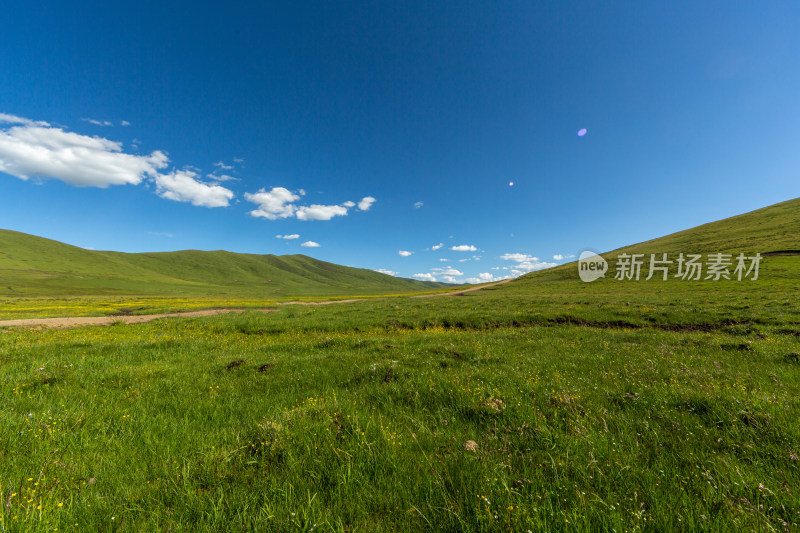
column 582, row 132
column 510, row 183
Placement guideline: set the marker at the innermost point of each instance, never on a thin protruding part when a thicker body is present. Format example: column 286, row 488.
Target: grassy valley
column 542, row 404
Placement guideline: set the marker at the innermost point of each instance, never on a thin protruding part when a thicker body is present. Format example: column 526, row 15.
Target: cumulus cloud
column 289, row 237
column 384, row 271
column 560, row 257
column 529, row 266
column 273, row 204
column 424, row 277
column 310, row 244
column 279, row 202
column 35, row 149
column 483, row 277
column 366, row 203
column 183, row 186
column 404, row 253
column 463, row 248
column 525, row 263
column 320, row 212
column 437, row 246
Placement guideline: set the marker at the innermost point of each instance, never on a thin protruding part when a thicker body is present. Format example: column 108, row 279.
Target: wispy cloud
column 436, row 246
column 98, row 122
column 223, row 166
column 418, row 205
column 288, row 237
column 518, row 257
column 561, row 257
column 448, row 271
column 221, row 177
column 404, row 253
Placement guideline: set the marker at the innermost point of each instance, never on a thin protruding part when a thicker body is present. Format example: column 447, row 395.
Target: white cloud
column 182, row 186
column 384, row 271
column 448, row 271
column 529, row 266
column 310, row 244
column 463, row 248
column 483, row 277
column 223, row 166
column 436, row 247
column 98, row 122
column 366, row 203
column 404, row 253
column 238, row 160
column 278, row 202
column 320, row 212
column 417, row 205
column 443, row 259
column 518, row 257
column 124, row 123
column 14, row 119
column 424, row 277
column 449, row 279
column 275, row 204
column 37, row 150
column 559, row 257
column 221, row 177
column 288, row 237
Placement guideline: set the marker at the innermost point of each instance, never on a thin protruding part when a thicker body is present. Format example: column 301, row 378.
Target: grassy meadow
column 544, row 404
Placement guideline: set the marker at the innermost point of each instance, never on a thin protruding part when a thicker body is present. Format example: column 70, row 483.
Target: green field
column 543, row 404
column 35, row 267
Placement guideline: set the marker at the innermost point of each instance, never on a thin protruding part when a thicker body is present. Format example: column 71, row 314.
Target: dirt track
column 79, row 321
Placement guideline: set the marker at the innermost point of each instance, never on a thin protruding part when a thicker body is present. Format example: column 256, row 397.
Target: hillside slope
column 35, row 266
column 772, row 231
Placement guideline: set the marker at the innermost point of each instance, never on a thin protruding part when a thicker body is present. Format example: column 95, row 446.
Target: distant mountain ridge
column 36, row 266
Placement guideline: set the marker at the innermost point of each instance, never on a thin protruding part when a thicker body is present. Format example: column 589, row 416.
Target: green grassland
column 543, row 404
column 36, row 267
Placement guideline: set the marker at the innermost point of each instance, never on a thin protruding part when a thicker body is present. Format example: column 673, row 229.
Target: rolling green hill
column 772, row 231
column 34, row 266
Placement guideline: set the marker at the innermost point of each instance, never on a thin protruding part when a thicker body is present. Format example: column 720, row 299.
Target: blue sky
column 374, row 128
